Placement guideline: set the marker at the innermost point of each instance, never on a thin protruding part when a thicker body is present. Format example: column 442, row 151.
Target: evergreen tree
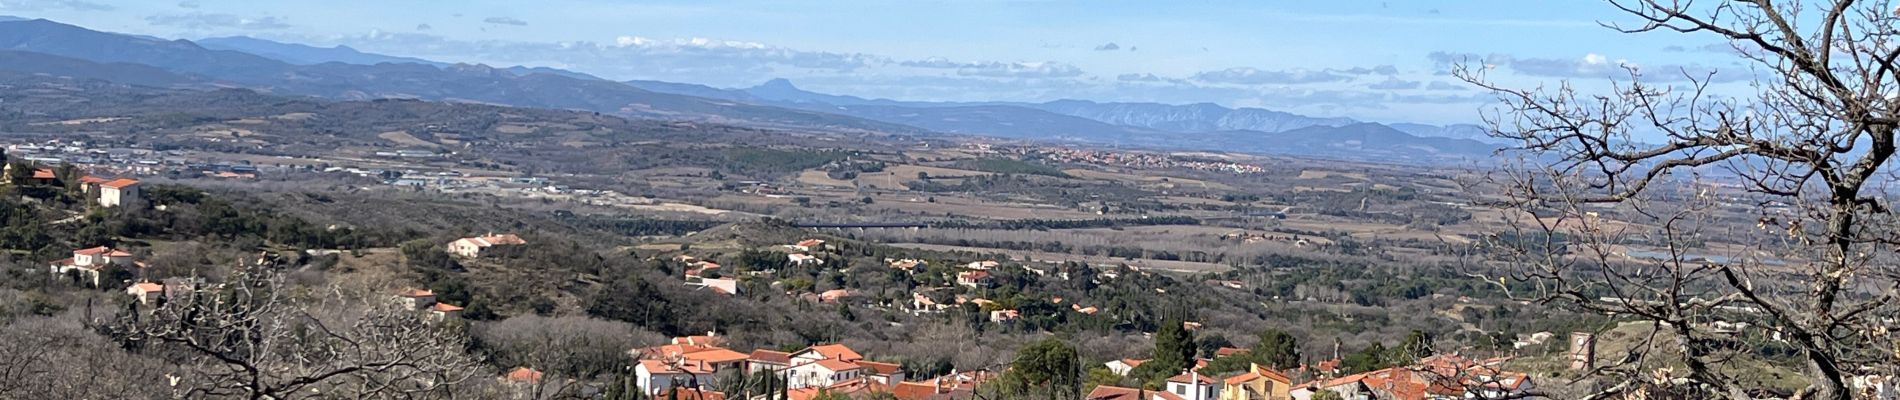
column 1417, row 345
column 1278, row 348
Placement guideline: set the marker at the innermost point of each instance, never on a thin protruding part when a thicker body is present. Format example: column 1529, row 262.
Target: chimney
column 1195, row 387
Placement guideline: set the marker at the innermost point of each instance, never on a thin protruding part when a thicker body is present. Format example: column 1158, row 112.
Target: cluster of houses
column 687, row 367
column 690, row 364
column 133, row 160
column 105, row 192
column 472, row 247
column 1444, row 376
column 424, row 300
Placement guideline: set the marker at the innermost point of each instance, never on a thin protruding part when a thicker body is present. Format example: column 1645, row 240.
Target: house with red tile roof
column 442, row 311
column 1257, row 383
column 521, row 376
column 472, row 247
column 1194, row 386
column 1122, row 366
column 807, row 245
column 89, row 263
column 762, row 360
column 1439, row 376
column 415, row 299
column 975, row 279
column 119, row 192
column 886, row 374
column 146, row 292
column 725, row 286
column 956, row 385
column 823, row 373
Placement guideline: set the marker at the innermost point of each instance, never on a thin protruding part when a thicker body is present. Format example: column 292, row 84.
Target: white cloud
column 206, row 21
column 1394, row 84
column 703, row 43
column 505, row 21
column 1254, row 76
column 43, row 5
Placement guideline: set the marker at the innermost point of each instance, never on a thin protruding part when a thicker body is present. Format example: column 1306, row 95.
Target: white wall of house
column 1194, row 392
column 114, row 197
column 814, row 375
column 654, row 382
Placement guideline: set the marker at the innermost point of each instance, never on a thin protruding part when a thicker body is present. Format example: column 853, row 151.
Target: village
column 685, row 368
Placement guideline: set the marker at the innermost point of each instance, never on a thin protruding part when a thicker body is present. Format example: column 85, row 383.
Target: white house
column 471, row 247
column 886, row 374
column 655, row 377
column 415, row 299
column 117, row 192
column 768, row 361
column 823, row 373
column 801, row 259
column 1122, row 366
column 726, row 286
column 89, row 262
column 1194, row 386
column 146, row 292
column 807, row 245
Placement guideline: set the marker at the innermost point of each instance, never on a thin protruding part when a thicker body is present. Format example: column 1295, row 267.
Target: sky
column 1371, row 60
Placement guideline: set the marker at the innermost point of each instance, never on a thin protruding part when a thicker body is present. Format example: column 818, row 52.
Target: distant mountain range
column 46, row 47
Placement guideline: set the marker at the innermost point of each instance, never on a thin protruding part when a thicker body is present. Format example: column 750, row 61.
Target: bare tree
column 1807, row 152
column 568, row 350
column 256, row 337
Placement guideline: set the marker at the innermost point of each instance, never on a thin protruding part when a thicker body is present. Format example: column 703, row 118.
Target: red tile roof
column 413, row 292
column 43, row 173
column 92, row 179
column 522, row 375
column 661, row 367
column 836, row 365
column 768, row 356
column 716, row 355
column 1106, row 392
column 120, row 183
column 914, row 390
column 1189, row 378
column 836, row 351
column 148, row 287
column 880, row 368
column 445, row 307
column 695, row 394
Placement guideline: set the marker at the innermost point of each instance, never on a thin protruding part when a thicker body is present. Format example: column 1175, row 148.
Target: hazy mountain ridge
column 456, row 82
column 1199, row 117
column 338, row 72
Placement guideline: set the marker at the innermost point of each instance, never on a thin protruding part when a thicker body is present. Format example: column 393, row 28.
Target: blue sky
column 1373, row 60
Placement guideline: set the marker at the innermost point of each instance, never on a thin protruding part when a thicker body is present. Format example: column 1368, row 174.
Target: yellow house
column 1258, row 383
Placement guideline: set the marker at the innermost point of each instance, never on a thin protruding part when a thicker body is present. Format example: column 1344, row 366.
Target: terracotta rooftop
column 768, row 356
column 836, row 351
column 522, row 375
column 120, row 183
